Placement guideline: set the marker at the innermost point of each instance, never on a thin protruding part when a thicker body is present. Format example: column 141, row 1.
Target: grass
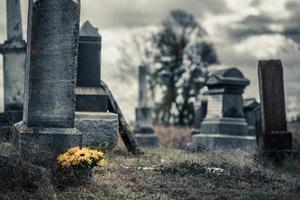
column 171, row 173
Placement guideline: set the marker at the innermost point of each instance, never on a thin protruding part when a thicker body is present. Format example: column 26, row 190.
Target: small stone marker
column 14, row 52
column 144, row 132
column 274, row 141
column 51, row 69
column 225, row 125
column 251, row 106
column 98, row 126
column 200, row 108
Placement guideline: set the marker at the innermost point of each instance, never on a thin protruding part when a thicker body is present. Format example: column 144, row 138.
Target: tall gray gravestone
column 98, row 126
column 274, row 141
column 14, row 51
column 144, row 133
column 51, row 69
column 225, row 125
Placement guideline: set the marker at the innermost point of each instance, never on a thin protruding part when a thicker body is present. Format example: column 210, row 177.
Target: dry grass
column 171, row 173
column 174, row 174
column 173, row 137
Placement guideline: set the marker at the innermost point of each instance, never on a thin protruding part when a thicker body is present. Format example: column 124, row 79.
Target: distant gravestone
column 14, row 51
column 98, row 126
column 225, row 125
column 274, row 140
column 51, row 68
column 251, row 106
column 200, row 107
column 144, row 132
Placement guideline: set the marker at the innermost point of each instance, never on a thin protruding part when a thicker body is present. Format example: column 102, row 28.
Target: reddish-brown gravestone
column 274, row 141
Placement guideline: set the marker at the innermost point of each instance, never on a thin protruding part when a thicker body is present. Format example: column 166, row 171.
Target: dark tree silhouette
column 181, row 57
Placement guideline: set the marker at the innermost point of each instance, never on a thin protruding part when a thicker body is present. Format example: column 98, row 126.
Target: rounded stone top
column 228, row 76
column 229, row 72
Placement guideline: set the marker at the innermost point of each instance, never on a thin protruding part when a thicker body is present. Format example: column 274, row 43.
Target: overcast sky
column 243, row 31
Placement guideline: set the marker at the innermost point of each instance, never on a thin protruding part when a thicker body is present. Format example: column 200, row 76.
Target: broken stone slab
column 98, row 128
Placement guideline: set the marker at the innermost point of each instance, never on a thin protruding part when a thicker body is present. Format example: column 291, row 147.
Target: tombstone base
column 146, row 137
column 98, row 129
column 227, row 126
column 218, row 141
column 34, row 143
column 275, row 146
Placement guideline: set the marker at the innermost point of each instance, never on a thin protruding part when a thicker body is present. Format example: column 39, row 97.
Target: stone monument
column 274, row 141
column 225, row 125
column 51, row 70
column 251, row 106
column 98, row 126
column 144, row 132
column 14, row 51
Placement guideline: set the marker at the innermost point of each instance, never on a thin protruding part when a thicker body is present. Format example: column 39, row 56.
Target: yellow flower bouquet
column 78, row 162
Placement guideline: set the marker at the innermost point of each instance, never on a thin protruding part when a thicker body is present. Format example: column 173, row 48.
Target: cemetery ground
column 170, row 172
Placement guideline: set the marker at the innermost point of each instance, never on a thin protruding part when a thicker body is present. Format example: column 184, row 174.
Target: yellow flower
column 75, row 156
column 82, row 155
column 100, row 163
column 96, row 154
column 73, row 150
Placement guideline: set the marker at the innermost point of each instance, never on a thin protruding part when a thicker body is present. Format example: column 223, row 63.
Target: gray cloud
column 131, row 13
column 253, row 25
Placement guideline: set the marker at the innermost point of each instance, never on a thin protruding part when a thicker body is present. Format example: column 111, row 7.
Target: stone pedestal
column 98, row 126
column 225, row 125
column 144, row 133
column 51, row 68
column 35, row 140
column 274, row 141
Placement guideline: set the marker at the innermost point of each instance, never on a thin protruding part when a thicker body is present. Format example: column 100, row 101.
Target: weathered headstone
column 274, row 141
column 144, row 132
column 13, row 51
column 51, row 69
column 250, row 108
column 200, row 107
column 97, row 125
column 225, row 125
